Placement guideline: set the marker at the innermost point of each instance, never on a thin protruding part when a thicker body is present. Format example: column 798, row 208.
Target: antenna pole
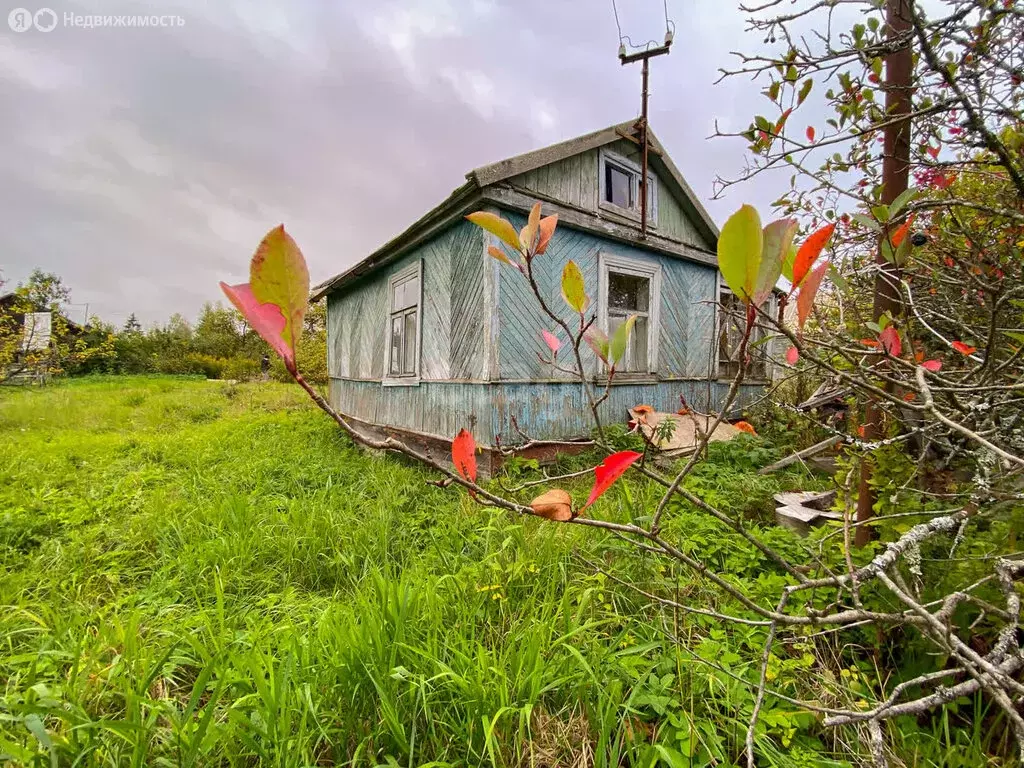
column 640, row 127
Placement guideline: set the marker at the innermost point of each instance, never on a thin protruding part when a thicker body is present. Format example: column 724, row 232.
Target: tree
column 954, row 76
column 218, row 332
column 132, row 325
column 44, row 347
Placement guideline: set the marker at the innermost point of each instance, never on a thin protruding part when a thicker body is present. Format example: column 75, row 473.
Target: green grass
column 196, row 573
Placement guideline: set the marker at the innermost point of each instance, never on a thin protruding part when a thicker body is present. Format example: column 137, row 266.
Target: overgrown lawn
column 200, row 573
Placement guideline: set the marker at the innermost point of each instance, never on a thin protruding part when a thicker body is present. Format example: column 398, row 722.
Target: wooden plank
column 793, row 458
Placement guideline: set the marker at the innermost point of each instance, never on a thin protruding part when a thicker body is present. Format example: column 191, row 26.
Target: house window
column 620, row 187
column 404, row 323
column 631, row 287
column 732, row 320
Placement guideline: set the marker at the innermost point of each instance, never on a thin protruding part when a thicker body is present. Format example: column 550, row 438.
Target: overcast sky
column 144, row 164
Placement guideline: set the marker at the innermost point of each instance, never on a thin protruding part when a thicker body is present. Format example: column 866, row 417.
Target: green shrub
column 210, row 367
column 240, row 369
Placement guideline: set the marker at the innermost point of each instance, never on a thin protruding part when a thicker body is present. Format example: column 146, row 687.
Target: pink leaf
column 278, row 275
column 792, row 355
column 266, row 319
column 552, row 341
column 889, row 338
column 932, row 365
column 597, row 340
column 608, row 472
column 464, row 455
column 808, row 290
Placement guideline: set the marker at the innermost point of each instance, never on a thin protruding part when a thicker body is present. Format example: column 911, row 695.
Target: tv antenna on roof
column 643, row 53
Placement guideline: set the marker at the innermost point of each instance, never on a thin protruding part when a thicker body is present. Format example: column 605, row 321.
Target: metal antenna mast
column 649, row 51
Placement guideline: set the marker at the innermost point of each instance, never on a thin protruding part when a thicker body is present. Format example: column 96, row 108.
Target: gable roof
column 466, row 197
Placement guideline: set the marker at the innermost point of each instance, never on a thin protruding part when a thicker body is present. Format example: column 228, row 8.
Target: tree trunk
column 895, row 179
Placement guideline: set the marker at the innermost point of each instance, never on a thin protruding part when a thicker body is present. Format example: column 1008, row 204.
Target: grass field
column 199, row 573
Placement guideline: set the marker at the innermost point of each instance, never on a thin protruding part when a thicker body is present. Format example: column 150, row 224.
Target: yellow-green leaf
column 739, row 251
column 777, row 241
column 620, row 339
column 278, row 276
column 496, row 226
column 573, row 289
column 788, row 261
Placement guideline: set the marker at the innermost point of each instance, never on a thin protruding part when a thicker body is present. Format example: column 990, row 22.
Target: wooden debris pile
column 800, row 511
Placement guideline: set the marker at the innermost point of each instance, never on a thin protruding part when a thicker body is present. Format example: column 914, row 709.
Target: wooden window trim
column 624, row 265
column 760, row 332
column 633, row 169
column 412, row 379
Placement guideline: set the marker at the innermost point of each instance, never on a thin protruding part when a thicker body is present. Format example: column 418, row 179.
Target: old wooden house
column 428, row 334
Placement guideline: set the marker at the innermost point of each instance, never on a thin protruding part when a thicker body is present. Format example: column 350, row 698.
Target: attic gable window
column 620, row 187
column 404, row 297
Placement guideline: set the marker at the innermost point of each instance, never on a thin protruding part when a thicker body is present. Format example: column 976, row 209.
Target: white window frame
column 769, row 308
column 623, row 265
column 407, row 380
column 633, row 169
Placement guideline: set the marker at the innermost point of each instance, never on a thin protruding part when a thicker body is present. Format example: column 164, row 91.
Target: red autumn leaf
column 932, row 365
column 964, row 349
column 782, row 121
column 933, row 151
column 641, row 412
column 745, row 426
column 869, row 342
column 792, row 355
column 810, row 133
column 547, row 229
column 553, row 505
column 608, row 472
column 552, row 341
column 889, row 338
column 899, row 234
column 809, row 252
column 860, row 430
column 464, row 455
column 909, row 396
column 808, row 290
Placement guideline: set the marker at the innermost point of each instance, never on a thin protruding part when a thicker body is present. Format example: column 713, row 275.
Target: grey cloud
column 143, row 165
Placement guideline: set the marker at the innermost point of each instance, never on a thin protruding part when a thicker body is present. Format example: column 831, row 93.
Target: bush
column 211, row 367
column 240, row 369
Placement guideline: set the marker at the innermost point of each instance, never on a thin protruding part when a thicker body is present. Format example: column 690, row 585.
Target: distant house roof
column 7, row 299
column 470, row 194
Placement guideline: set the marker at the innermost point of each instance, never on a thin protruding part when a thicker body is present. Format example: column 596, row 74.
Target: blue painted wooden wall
column 687, row 310
column 481, row 332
